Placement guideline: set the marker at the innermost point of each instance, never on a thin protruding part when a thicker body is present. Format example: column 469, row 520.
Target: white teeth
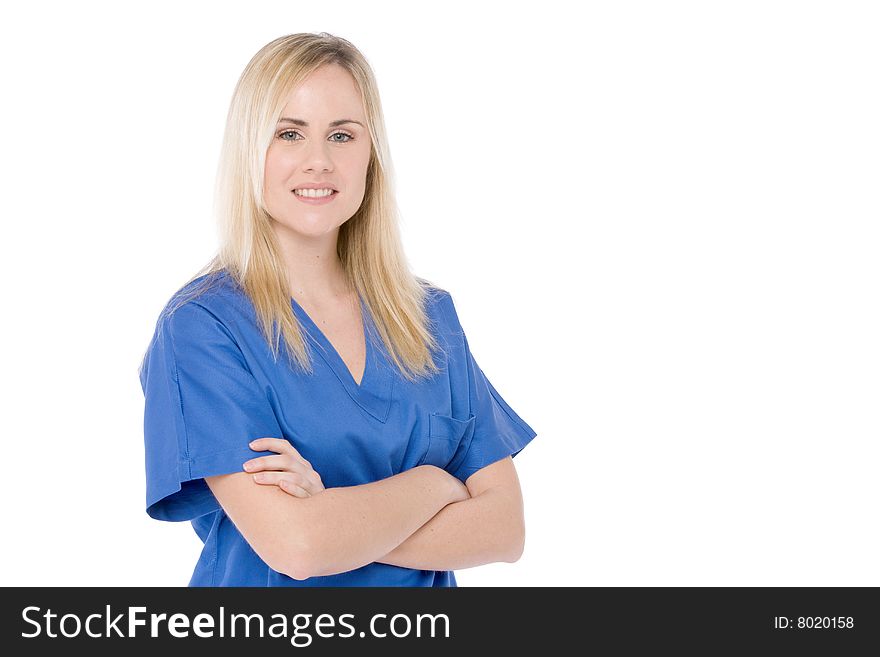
column 313, row 193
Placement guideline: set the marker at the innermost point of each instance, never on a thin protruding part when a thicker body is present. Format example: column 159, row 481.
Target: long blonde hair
column 368, row 245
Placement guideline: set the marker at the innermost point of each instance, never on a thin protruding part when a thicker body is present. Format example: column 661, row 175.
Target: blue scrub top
column 211, row 386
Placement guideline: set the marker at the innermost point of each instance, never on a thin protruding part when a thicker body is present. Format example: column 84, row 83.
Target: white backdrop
column 659, row 223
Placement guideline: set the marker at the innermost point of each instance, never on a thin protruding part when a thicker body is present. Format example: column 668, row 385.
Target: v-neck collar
column 374, row 392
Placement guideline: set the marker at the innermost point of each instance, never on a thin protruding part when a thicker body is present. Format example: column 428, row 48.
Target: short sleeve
column 202, row 407
column 498, row 430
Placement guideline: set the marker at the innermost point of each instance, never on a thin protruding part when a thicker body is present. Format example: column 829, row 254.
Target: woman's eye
column 281, row 135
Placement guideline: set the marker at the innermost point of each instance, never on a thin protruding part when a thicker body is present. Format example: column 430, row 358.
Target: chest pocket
column 448, row 440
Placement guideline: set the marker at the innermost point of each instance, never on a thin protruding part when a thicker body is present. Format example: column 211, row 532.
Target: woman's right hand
column 288, row 469
column 460, row 492
column 456, row 490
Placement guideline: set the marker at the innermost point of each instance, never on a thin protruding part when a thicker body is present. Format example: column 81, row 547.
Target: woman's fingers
column 308, row 481
column 279, row 445
column 274, row 462
column 288, row 460
column 293, row 489
column 289, row 483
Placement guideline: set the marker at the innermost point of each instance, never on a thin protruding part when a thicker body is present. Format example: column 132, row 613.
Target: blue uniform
column 211, row 386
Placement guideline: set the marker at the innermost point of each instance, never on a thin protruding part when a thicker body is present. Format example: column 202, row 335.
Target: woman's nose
column 317, row 157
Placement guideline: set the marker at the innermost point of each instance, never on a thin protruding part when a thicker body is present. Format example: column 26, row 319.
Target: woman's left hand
column 288, row 469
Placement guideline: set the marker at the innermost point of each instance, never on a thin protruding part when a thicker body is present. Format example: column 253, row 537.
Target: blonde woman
column 311, row 406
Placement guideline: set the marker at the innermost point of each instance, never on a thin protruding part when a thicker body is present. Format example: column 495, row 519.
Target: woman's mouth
column 315, row 196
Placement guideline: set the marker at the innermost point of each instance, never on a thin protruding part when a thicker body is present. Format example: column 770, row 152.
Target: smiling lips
column 315, row 196
column 313, row 193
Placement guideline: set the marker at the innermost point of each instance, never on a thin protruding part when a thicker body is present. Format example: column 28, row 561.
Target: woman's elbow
column 295, row 563
column 294, row 557
column 296, row 571
column 516, row 551
column 516, row 543
column 306, row 551
column 279, row 529
column 288, row 551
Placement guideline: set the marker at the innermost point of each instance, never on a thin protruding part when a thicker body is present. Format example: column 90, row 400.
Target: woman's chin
column 307, row 227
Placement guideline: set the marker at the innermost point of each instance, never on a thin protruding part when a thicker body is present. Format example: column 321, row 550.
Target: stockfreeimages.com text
column 204, row 625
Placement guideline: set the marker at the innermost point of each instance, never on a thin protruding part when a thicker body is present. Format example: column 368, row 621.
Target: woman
column 382, row 453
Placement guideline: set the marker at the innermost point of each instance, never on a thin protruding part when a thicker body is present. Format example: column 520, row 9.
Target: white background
column 659, row 223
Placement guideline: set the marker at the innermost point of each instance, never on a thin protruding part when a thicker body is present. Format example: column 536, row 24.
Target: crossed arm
column 487, row 527
column 422, row 518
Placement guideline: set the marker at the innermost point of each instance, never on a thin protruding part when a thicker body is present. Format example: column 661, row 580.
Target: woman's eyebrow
column 332, row 124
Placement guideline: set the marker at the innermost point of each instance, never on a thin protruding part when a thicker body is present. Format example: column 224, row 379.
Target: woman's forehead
column 324, row 91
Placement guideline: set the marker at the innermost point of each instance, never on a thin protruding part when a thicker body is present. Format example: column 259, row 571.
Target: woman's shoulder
column 214, row 295
column 200, row 314
column 440, row 306
column 431, row 290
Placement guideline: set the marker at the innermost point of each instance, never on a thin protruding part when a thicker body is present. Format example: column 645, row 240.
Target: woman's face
column 321, row 138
